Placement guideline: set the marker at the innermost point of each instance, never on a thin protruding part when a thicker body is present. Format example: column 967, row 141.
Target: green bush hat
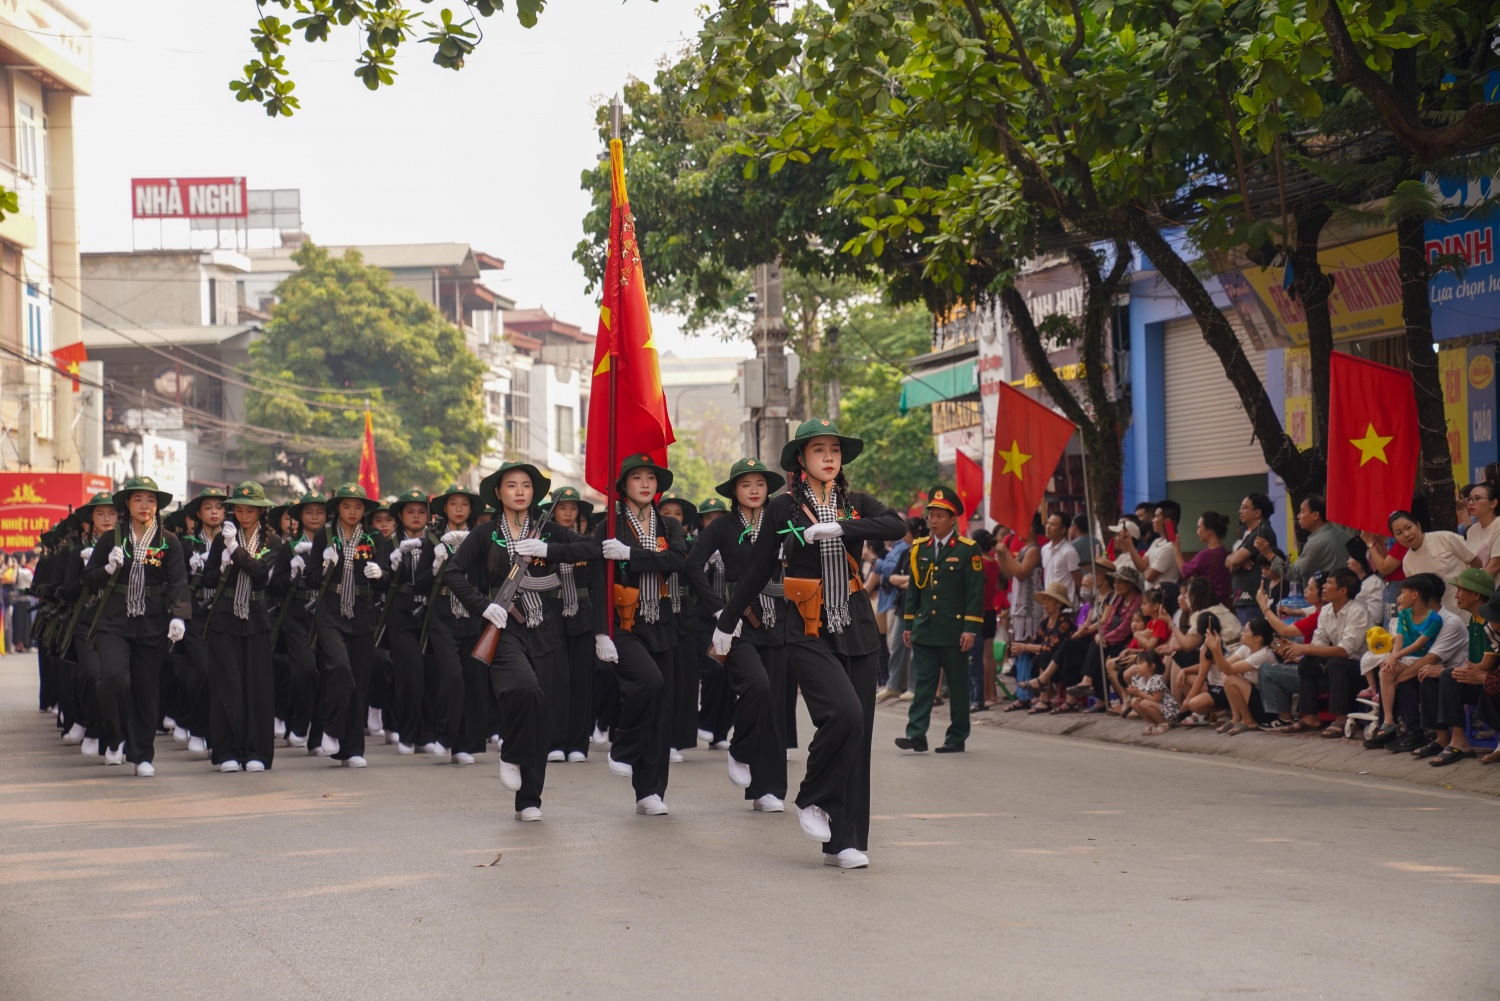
column 946, row 498
column 83, row 514
column 413, row 496
column 250, row 494
column 350, row 491
column 689, row 509
column 1476, row 580
column 815, row 428
column 489, row 487
column 585, row 509
column 644, row 461
column 215, row 493
column 774, row 480
column 308, row 498
column 711, row 506
column 136, row 484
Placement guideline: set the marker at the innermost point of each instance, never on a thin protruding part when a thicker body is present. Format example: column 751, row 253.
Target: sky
column 490, row 155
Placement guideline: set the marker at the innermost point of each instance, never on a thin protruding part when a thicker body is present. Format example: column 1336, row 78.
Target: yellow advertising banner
column 1453, row 374
column 1366, row 298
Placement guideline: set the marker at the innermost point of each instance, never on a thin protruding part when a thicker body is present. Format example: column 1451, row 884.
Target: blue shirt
column 891, row 563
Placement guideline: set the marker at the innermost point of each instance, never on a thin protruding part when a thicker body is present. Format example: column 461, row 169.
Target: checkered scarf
column 650, row 580
column 835, row 561
column 349, row 548
column 454, row 605
column 242, row 584
column 767, row 603
column 135, row 585
column 531, row 601
column 569, row 589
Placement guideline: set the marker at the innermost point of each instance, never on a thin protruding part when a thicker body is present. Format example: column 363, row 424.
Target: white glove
column 176, row 629
column 722, row 642
column 455, row 538
column 303, row 548
column 116, row 557
column 373, row 571
column 494, row 613
column 331, row 556
column 196, row 561
column 534, row 548
column 397, row 555
column 225, row 560
column 823, row 530
column 86, row 553
column 231, row 537
column 439, row 556
column 604, row 649
column 614, row 549
column 408, row 544
column 298, row 565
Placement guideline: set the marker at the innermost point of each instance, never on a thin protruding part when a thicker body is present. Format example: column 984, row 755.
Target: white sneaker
column 229, row 766
column 720, row 745
column 675, row 756
column 814, row 821
column 494, row 738
column 296, row 739
column 355, row 762
column 392, row 737
column 433, row 747
column 849, row 858
column 739, row 773
column 770, row 804
column 328, row 748
column 463, row 758
column 574, row 757
column 197, row 745
column 529, row 814
column 255, row 766
column 168, row 723
column 374, row 722
column 598, row 737
column 114, row 755
column 405, row 749
column 651, row 806
column 90, row 746
column 619, row 768
column 510, row 776
column 145, row 770
column 556, row 756
column 278, row 728
column 180, row 735
column 75, row 734
column 705, row 736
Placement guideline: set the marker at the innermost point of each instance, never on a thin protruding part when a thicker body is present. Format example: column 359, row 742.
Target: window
column 38, row 325
column 567, row 439
column 28, row 140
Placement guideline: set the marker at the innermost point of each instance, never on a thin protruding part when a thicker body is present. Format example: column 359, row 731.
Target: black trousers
column 716, row 703
column 1343, row 679
column 642, row 739
column 840, row 696
column 242, row 703
column 575, row 689
column 520, row 683
column 130, row 692
column 1443, row 699
column 757, row 677
column 86, row 673
column 347, row 660
column 296, row 680
column 192, row 681
column 408, row 683
column 47, row 669
column 447, row 712
column 607, row 698
column 685, row 677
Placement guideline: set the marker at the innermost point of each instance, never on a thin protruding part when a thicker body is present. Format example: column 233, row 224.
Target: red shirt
column 1307, row 624
column 1160, row 629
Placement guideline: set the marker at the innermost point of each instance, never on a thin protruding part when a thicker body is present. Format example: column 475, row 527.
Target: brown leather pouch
column 627, row 601
column 807, row 594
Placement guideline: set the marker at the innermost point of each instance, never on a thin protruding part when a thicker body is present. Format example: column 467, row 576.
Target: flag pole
column 1088, row 502
column 616, row 113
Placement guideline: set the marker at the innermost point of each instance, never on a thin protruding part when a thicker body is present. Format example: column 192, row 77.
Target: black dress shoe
column 1407, row 742
column 950, row 749
column 912, row 743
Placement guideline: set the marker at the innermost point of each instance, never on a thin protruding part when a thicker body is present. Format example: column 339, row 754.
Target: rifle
column 109, row 589
column 505, row 596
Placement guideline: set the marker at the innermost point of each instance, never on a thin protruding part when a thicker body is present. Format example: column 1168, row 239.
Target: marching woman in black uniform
column 298, row 683
column 242, row 685
column 530, row 654
column 404, row 614
column 350, row 568
column 142, row 575
column 573, row 708
column 819, row 525
column 683, row 725
column 190, row 663
column 457, row 705
column 716, row 703
column 756, row 663
column 80, row 688
column 647, row 549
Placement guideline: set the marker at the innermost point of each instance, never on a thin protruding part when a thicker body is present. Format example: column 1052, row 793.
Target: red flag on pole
column 970, row 486
column 1029, row 441
column 369, row 472
column 625, row 360
column 1373, row 442
column 70, row 358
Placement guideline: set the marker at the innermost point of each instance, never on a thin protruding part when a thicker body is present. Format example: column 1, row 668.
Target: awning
column 950, row 382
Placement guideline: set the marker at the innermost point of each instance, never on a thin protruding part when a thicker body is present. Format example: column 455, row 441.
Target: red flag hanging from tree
column 1029, row 441
column 369, row 472
column 1373, row 442
column 69, row 358
column 970, row 486
column 638, row 419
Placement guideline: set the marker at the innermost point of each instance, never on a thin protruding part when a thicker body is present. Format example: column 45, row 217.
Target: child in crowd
column 1149, row 629
column 1149, row 696
column 1235, row 676
column 1417, row 625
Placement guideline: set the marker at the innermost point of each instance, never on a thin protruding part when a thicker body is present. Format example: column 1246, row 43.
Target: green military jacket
column 945, row 598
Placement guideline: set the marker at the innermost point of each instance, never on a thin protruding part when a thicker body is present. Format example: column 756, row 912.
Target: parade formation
column 514, row 618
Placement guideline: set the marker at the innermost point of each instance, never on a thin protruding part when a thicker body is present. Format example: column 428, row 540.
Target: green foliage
column 339, row 322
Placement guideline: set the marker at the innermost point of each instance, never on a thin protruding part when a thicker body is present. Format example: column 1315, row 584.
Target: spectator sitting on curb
column 1055, row 627
column 1240, row 672
column 1486, row 674
column 1332, row 656
column 1277, row 680
column 1445, row 697
column 1450, row 649
column 1149, row 630
column 1414, row 629
column 1150, row 698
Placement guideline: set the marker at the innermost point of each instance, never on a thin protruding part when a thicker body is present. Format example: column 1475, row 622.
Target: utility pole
column 831, row 344
column 770, row 349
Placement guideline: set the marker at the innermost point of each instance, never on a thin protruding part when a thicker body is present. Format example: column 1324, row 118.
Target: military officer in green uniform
column 944, row 613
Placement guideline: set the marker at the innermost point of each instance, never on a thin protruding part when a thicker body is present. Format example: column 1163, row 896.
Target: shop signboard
column 31, row 503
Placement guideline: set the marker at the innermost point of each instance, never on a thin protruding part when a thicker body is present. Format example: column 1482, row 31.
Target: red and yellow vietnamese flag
column 369, row 472
column 638, row 419
column 69, row 358
column 969, row 477
column 1373, row 442
column 1029, row 441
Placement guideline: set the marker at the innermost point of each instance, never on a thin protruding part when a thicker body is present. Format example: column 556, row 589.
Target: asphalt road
column 1032, row 866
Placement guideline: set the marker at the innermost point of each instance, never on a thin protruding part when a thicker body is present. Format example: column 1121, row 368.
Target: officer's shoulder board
column 966, row 540
column 923, row 539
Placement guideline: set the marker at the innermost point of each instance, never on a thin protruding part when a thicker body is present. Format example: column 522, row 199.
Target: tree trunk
column 1313, row 289
column 1416, row 311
